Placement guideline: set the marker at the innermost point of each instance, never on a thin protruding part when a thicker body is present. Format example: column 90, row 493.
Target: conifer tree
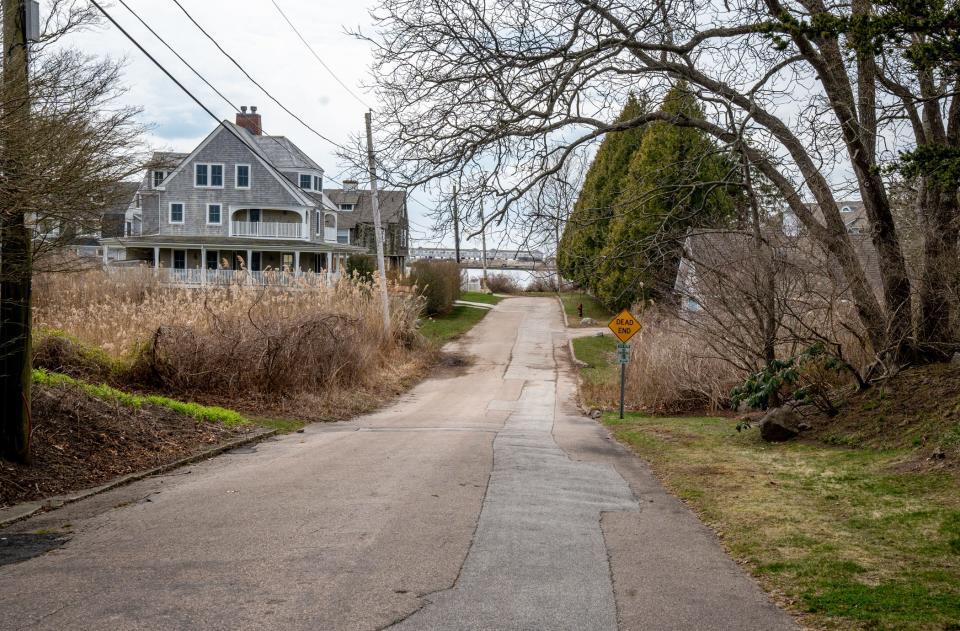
column 584, row 236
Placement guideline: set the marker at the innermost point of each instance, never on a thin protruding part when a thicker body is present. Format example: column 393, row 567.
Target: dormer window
column 208, row 175
column 846, row 209
column 317, row 183
column 346, row 207
column 306, row 181
column 158, row 177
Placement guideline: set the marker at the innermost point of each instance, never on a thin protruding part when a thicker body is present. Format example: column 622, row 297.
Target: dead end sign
column 624, row 325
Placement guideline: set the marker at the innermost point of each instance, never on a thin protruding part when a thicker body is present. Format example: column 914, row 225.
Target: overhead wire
column 314, row 53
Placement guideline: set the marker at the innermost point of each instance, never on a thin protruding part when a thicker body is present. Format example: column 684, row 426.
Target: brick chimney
column 349, row 185
column 250, row 121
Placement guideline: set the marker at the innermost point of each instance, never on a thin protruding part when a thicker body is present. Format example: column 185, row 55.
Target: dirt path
column 480, row 500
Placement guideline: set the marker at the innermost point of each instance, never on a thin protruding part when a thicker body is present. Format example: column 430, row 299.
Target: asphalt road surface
column 480, row 500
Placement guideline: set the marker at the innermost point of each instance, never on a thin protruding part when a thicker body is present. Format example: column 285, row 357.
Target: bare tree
column 505, row 91
column 65, row 145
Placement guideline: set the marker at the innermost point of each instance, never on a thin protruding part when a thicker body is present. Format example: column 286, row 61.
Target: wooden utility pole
column 483, row 245
column 456, row 226
column 377, row 229
column 16, row 371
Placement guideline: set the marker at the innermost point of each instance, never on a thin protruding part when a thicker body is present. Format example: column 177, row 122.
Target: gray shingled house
column 241, row 198
column 356, row 221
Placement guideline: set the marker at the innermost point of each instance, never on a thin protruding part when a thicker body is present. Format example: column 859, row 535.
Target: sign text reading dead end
column 624, row 325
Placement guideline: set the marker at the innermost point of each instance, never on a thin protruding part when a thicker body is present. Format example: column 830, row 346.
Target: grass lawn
column 601, row 376
column 477, row 296
column 444, row 328
column 591, row 308
column 843, row 535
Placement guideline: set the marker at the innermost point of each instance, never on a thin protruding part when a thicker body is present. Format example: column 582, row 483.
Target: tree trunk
column 941, row 232
column 16, row 371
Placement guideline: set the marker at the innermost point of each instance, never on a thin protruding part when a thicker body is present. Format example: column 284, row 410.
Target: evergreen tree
column 677, row 178
column 584, row 236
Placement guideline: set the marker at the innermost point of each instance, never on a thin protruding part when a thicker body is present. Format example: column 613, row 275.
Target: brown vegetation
column 315, row 352
column 81, row 441
column 438, row 282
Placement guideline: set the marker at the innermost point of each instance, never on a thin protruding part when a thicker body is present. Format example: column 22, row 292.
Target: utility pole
column 483, row 245
column 456, row 226
column 16, row 370
column 377, row 229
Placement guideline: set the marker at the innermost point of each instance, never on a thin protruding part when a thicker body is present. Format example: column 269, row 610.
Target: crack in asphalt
column 538, row 559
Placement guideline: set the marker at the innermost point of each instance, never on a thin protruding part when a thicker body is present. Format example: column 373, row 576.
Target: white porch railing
column 329, row 234
column 273, row 229
column 225, row 277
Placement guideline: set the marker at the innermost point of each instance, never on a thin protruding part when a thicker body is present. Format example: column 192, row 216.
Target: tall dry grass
column 314, row 351
column 670, row 370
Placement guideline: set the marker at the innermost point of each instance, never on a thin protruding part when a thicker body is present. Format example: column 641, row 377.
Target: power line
column 255, row 82
column 322, row 63
column 200, row 76
column 180, row 85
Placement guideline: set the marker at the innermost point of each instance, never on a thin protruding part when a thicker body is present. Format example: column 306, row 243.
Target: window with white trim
column 346, row 207
column 306, row 181
column 176, row 212
column 242, row 179
column 343, row 236
column 317, row 183
column 206, row 175
column 179, row 259
column 158, row 177
column 213, row 214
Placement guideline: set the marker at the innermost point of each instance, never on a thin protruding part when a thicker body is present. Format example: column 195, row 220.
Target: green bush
column 438, row 282
column 361, row 265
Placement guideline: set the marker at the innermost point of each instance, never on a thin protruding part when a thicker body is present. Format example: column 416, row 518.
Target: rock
column 588, row 322
column 938, row 454
column 804, row 426
column 595, row 413
column 780, row 424
column 955, row 360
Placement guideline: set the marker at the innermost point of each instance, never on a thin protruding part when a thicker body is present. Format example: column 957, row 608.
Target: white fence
column 267, row 229
column 226, row 277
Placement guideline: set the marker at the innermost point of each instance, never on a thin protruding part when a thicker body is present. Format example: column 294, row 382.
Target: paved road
column 480, row 500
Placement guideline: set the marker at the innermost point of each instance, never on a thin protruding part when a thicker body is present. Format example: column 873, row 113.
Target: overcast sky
column 255, row 33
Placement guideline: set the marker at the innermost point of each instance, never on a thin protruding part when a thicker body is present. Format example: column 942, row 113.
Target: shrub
column 361, row 266
column 502, row 284
column 312, row 351
column 544, row 284
column 671, row 370
column 438, row 282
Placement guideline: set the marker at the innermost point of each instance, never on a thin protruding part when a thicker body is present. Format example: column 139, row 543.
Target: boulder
column 780, row 424
column 595, row 413
column 588, row 322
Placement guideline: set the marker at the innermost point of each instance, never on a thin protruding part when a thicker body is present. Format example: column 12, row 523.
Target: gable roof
column 393, row 205
column 248, row 140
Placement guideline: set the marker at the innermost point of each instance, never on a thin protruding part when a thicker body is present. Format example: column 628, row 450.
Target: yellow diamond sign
column 624, row 325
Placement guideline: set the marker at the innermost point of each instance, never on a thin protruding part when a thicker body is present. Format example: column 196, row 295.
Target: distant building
column 473, row 254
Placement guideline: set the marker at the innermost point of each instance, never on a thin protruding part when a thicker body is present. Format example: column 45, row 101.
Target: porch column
column 249, row 260
column 105, row 250
column 203, row 265
column 156, row 258
column 296, row 261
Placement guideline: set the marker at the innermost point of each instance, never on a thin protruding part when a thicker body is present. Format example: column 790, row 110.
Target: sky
column 256, row 35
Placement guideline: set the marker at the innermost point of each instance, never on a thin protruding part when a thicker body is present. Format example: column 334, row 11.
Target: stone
column 588, row 322
column 595, row 413
column 955, row 360
column 804, row 426
column 938, row 454
column 780, row 424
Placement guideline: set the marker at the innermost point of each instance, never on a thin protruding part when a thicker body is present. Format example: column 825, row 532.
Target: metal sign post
column 624, row 326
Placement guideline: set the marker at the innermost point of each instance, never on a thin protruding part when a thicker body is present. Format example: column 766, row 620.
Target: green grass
column 591, row 308
column 282, row 425
column 476, row 296
column 206, row 413
column 599, row 353
column 461, row 319
column 853, row 541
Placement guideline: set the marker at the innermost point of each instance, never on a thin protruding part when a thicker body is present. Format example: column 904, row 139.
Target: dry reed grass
column 670, row 370
column 302, row 350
